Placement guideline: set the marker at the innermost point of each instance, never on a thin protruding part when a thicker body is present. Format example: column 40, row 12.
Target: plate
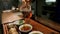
column 35, row 32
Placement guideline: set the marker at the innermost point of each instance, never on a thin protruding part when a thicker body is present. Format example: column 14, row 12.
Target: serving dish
column 35, row 32
column 25, row 28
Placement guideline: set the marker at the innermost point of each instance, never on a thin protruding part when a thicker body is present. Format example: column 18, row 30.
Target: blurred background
column 47, row 9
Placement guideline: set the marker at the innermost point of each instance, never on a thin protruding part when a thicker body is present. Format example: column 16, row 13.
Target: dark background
column 43, row 9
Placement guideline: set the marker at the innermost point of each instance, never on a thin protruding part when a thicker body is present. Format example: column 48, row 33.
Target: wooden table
column 49, row 23
column 8, row 17
column 36, row 27
column 40, row 27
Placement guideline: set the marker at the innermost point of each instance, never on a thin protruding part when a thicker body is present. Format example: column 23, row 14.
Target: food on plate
column 13, row 31
column 10, row 25
column 35, row 32
column 21, row 22
column 25, row 28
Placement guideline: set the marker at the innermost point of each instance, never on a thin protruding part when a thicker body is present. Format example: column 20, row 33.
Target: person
column 26, row 8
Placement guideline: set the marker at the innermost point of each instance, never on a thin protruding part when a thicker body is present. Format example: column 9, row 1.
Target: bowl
column 25, row 28
column 35, row 32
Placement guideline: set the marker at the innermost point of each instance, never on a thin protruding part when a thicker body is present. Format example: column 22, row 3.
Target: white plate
column 7, row 10
column 35, row 32
column 25, row 25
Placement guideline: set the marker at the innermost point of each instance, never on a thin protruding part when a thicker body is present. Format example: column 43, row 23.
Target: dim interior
column 44, row 12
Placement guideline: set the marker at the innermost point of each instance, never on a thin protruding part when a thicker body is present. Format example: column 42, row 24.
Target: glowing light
column 50, row 0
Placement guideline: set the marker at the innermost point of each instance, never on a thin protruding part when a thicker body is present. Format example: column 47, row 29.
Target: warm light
column 23, row 0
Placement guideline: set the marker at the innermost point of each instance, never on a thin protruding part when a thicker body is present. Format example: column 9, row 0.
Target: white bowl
column 25, row 25
column 35, row 32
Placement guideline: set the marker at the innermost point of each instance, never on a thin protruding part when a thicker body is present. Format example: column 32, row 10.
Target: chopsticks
column 7, row 29
column 4, row 28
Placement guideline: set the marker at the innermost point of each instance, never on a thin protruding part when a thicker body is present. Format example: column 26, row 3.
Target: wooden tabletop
column 40, row 27
column 36, row 25
column 49, row 23
column 9, row 17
